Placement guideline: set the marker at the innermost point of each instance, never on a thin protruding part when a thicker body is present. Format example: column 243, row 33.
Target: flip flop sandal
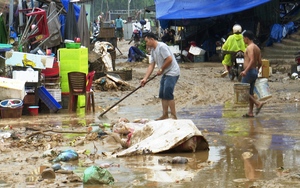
column 258, row 109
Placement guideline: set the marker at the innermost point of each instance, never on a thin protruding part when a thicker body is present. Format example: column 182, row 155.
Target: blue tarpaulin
column 189, row 9
column 278, row 32
column 62, row 17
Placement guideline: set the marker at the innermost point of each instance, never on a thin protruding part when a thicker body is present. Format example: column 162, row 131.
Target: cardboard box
column 265, row 68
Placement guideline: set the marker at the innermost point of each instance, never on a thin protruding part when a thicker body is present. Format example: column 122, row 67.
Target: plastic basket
column 5, row 47
column 72, row 45
column 48, row 99
column 54, row 71
column 56, row 94
column 11, row 112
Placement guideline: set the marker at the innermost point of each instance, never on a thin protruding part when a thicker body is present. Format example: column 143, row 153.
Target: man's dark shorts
column 250, row 78
column 167, row 85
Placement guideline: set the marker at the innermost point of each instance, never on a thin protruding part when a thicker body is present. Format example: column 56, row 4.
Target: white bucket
column 262, row 89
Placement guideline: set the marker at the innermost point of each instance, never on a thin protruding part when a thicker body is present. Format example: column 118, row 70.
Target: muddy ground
column 199, row 87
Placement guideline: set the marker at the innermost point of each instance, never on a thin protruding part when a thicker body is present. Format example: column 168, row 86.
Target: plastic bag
column 97, row 175
column 67, row 155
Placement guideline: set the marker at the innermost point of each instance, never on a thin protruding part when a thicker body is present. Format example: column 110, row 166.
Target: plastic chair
column 89, row 90
column 78, row 86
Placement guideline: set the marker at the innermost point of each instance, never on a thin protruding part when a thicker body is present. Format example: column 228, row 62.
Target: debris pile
column 111, row 82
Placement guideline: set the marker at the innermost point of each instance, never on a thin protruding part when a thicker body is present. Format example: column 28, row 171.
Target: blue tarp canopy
column 189, row 9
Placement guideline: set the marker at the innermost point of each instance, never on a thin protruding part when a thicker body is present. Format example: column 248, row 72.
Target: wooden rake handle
column 125, row 97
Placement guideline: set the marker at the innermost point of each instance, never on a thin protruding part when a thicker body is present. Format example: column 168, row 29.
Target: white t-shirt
column 158, row 56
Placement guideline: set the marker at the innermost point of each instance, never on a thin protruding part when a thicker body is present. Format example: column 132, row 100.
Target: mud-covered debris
column 111, row 82
column 56, row 166
column 174, row 160
column 74, row 178
column 48, row 173
column 49, row 153
column 179, row 160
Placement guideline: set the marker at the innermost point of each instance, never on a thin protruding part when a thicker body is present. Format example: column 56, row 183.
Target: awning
column 189, row 9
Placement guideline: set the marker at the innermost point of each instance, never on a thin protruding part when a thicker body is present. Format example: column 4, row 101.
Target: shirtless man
column 252, row 63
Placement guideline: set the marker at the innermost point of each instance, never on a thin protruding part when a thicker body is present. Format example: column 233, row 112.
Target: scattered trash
column 158, row 136
column 49, row 153
column 67, row 155
column 107, row 165
column 174, row 160
column 179, row 160
column 97, row 175
column 106, row 125
column 56, row 166
column 288, row 96
column 4, row 135
column 294, row 76
column 48, row 173
column 101, row 133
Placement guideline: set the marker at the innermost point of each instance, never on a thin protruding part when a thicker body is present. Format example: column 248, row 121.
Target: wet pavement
column 244, row 152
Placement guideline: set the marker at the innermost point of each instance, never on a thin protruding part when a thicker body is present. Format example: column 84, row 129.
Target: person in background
column 95, row 27
column 112, row 24
column 169, row 37
column 233, row 43
column 252, row 63
column 189, row 55
column 100, row 20
column 168, row 68
column 119, row 28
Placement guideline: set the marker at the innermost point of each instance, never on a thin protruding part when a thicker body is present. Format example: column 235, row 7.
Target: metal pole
column 101, row 7
column 20, row 14
column 129, row 8
column 11, row 12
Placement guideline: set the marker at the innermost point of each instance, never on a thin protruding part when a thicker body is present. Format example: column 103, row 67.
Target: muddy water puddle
column 244, row 152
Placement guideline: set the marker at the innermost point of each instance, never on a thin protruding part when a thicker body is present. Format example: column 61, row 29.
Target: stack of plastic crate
column 72, row 60
column 52, row 81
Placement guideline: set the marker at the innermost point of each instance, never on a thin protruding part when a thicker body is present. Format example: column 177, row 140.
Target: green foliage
column 142, row 46
column 106, row 5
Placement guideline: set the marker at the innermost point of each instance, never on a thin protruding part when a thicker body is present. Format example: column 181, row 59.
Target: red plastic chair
column 80, row 84
column 36, row 16
column 89, row 90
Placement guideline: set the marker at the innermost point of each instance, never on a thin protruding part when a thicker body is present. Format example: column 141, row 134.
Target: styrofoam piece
column 12, row 88
column 27, row 76
column 195, row 50
column 175, row 49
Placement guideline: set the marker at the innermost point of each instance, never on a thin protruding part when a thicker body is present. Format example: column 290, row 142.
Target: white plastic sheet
column 159, row 136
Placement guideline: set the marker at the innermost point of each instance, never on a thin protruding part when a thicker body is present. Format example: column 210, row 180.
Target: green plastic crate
column 72, row 45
